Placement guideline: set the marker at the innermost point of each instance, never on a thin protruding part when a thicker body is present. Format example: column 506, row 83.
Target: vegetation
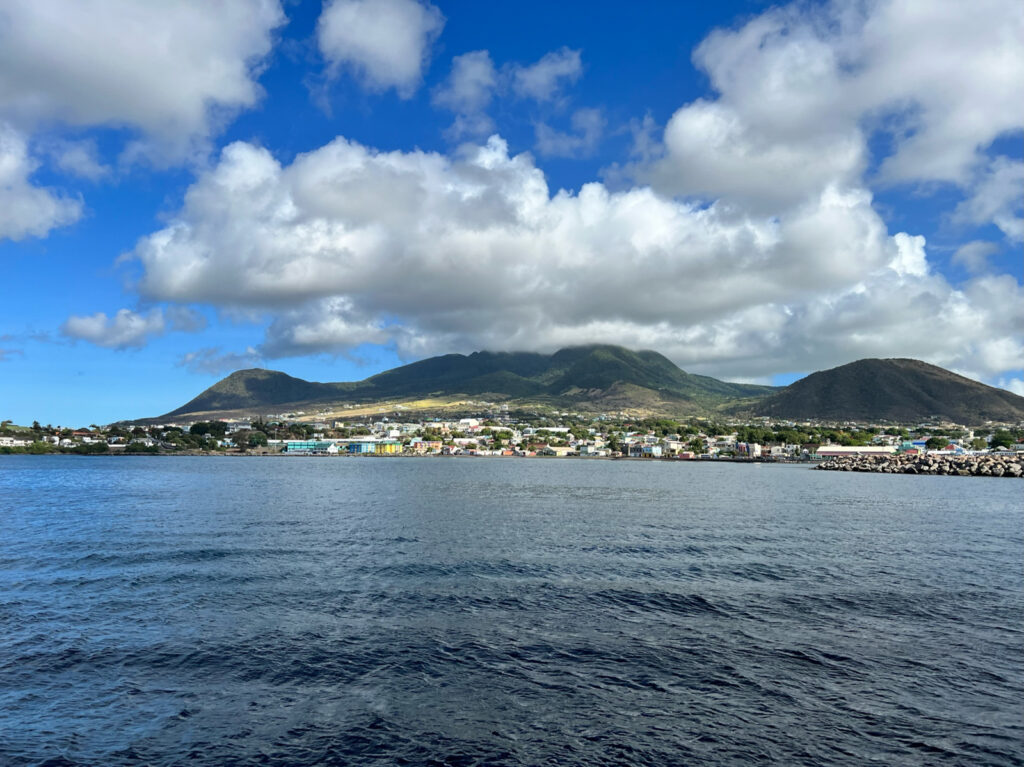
column 898, row 390
column 600, row 376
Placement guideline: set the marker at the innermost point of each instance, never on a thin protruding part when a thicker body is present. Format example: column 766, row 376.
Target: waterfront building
column 310, row 447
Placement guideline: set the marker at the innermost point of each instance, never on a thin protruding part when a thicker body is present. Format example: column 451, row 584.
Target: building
column 637, row 450
column 310, row 447
column 835, row 451
column 426, row 445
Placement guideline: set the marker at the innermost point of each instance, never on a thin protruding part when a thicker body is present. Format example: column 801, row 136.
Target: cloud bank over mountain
column 749, row 233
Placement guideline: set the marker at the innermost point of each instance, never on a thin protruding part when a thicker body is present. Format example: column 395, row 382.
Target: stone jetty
column 982, row 465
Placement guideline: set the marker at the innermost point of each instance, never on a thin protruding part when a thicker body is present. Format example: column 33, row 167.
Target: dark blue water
column 275, row 611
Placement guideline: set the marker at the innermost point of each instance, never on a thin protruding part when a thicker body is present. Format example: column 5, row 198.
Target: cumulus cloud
column 467, row 92
column 752, row 247
column 544, row 80
column 328, row 325
column 385, row 42
column 127, row 329
column 169, row 70
column 124, row 330
column 27, row 210
column 800, row 91
column 348, row 245
column 588, row 128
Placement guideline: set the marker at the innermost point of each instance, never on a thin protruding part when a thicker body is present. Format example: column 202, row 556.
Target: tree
column 1002, row 438
column 697, row 446
column 936, row 443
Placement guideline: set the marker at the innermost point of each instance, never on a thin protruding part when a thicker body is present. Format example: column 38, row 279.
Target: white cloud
column 386, row 42
column 327, row 325
column 998, row 198
column 128, row 329
column 1015, row 385
column 125, row 329
column 467, row 92
column 79, row 158
column 974, row 255
column 171, row 70
column 213, row 361
column 544, row 80
column 27, row 210
column 800, row 90
column 588, row 126
column 184, row 319
column 347, row 246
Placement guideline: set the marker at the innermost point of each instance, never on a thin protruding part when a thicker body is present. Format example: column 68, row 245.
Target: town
column 496, row 432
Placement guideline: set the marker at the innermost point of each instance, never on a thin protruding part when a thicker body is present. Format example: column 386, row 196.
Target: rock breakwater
column 957, row 465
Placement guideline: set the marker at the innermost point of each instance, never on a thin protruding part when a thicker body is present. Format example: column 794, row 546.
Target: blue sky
column 757, row 191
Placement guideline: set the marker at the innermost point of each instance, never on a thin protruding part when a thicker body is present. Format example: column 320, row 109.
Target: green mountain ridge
column 571, row 376
column 605, row 378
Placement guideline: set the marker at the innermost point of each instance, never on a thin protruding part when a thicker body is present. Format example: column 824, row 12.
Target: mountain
column 256, row 388
column 603, row 378
column 901, row 390
column 597, row 377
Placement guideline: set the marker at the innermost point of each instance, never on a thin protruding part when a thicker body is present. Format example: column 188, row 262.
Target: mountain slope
column 576, row 376
column 256, row 388
column 902, row 390
column 610, row 378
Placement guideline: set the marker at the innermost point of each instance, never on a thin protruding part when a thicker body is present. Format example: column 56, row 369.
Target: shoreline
column 254, row 454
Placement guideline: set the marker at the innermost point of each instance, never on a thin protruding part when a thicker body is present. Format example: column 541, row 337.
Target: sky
column 332, row 189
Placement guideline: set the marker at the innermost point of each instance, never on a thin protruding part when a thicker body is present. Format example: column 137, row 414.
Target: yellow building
column 389, row 447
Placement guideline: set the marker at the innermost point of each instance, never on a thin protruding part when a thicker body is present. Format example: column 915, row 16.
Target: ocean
column 484, row 611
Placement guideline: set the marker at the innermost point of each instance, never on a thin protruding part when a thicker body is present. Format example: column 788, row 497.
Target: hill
column 597, row 377
column 256, row 388
column 901, row 390
column 602, row 378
